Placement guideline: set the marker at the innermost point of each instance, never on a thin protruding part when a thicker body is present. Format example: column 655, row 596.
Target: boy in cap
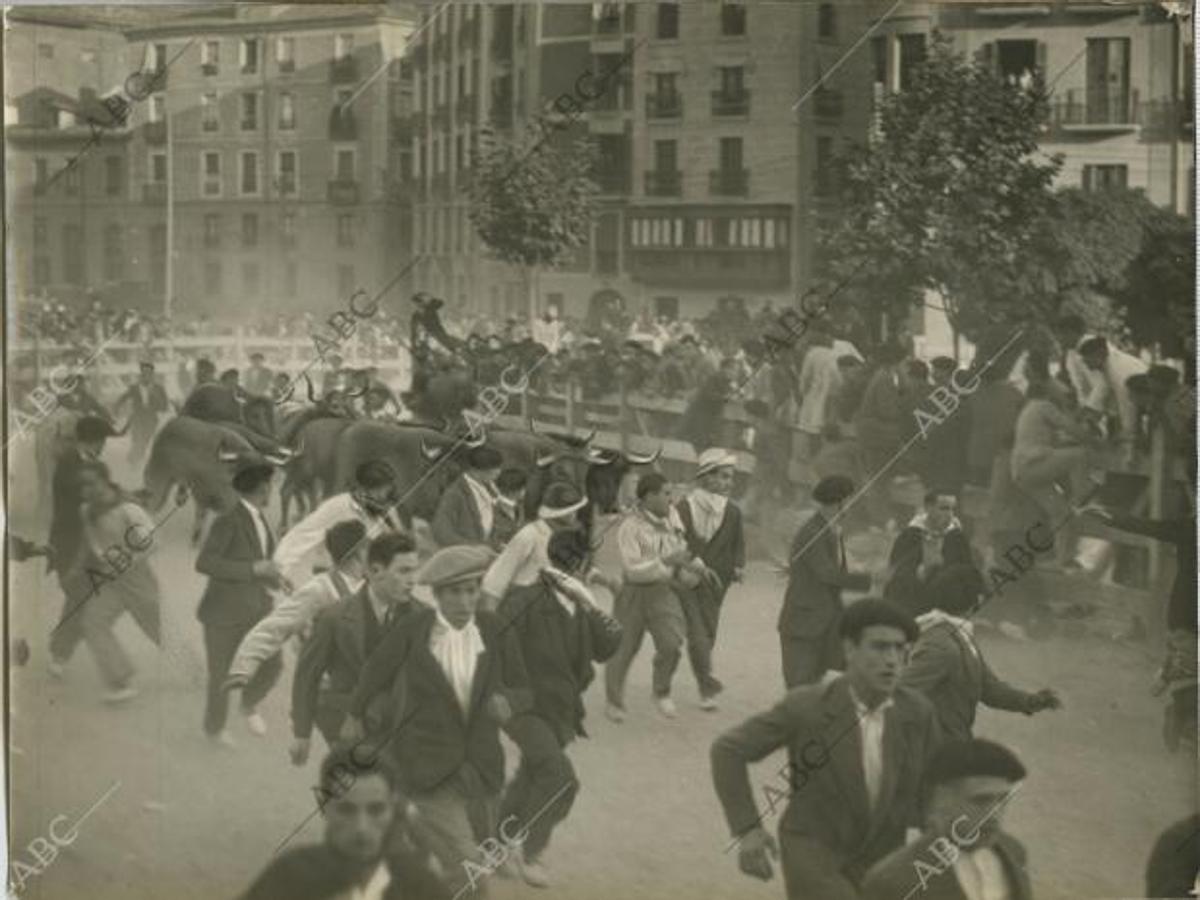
column 963, row 850
column 812, row 605
column 455, row 676
column 236, row 557
column 346, row 544
column 466, row 510
column 712, row 527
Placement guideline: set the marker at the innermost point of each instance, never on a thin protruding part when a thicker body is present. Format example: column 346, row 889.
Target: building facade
column 256, row 170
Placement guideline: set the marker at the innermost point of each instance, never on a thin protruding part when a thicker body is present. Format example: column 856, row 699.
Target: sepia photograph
column 733, row 449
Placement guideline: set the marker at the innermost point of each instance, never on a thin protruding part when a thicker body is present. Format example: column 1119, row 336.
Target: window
column 211, row 185
column 733, row 19
column 212, row 277
column 345, row 278
column 210, row 57
column 287, row 111
column 158, row 107
column 248, row 56
column 114, row 176
column 249, row 175
column 287, row 173
column 460, row 150
column 158, row 58
column 731, row 154
column 912, row 55
column 665, row 156
column 250, row 279
column 210, row 119
column 114, row 252
column 1016, row 61
column 249, row 112
column 1108, row 81
column 249, row 230
column 345, row 231
column 158, row 168
column 668, row 22
column 212, row 230
column 285, row 53
column 287, row 229
column 1105, row 178
column 343, row 45
column 343, row 168
column 826, row 22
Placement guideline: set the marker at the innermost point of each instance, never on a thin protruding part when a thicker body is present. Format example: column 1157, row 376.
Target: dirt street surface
column 191, row 821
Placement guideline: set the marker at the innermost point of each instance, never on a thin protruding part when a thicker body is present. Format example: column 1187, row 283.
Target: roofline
column 248, row 27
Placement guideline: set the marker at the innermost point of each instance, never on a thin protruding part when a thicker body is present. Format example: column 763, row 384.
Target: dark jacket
column 947, row 667
column 725, row 551
column 66, row 520
column 344, row 635
column 828, row 815
column 144, row 412
column 897, row 875
column 320, row 873
column 879, row 417
column 906, row 588
column 457, row 519
column 234, row 596
column 427, row 733
column 813, row 601
column 558, row 651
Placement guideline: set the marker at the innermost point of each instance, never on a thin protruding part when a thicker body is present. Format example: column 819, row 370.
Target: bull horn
column 430, row 453
column 312, row 394
column 227, row 455
column 472, row 441
column 599, row 457
column 640, row 459
column 543, row 461
column 277, row 459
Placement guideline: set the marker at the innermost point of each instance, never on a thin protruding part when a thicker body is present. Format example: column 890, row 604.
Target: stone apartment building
column 265, row 163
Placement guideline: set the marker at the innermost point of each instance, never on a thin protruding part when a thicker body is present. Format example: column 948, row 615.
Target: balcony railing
column 731, row 103
column 828, row 103
column 156, row 132
column 664, row 184
column 729, row 182
column 154, row 192
column 342, row 126
column 343, row 70
column 343, row 191
column 1091, row 109
column 664, row 106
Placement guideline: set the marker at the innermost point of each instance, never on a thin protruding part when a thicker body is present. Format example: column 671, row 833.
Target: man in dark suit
column 857, row 750
column 345, row 635
column 69, row 553
column 147, row 401
column 561, row 632
column 466, row 510
column 361, row 806
column 933, row 539
column 948, row 667
column 236, row 557
column 963, row 852
column 812, row 606
column 454, row 677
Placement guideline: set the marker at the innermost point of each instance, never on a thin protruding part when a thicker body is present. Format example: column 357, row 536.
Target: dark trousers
column 806, row 659
column 329, row 722
column 811, row 870
column 702, row 612
column 543, row 790
column 77, row 591
column 220, row 646
column 641, row 608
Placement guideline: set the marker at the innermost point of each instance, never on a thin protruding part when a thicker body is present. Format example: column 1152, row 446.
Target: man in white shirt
column 963, row 852
column 819, row 380
column 346, row 545
column 1111, row 394
column 372, row 502
column 654, row 558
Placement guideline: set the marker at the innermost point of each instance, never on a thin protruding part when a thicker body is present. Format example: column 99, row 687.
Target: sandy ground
column 189, row 821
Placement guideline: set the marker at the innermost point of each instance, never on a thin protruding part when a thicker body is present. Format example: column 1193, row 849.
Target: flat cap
column 458, row 563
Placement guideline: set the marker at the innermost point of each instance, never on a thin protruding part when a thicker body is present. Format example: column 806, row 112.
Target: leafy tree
column 950, row 195
column 532, row 199
column 1156, row 300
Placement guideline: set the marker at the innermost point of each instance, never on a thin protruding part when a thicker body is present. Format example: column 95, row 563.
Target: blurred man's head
column 511, row 483
column 91, row 433
column 146, row 372
column 391, row 563
column 484, row 463
column 253, row 483
column 941, row 369
column 375, row 485
column 956, row 589
column 229, row 378
column 969, row 784
column 939, row 511
column 206, row 370
column 876, row 637
column 1094, row 352
column 652, row 494
column 831, row 494
column 359, row 804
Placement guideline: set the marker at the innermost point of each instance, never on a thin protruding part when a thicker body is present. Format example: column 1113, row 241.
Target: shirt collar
column 378, row 607
column 864, row 711
column 441, row 625
column 254, row 511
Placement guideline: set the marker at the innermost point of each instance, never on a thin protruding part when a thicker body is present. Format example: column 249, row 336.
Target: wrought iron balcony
column 343, row 191
column 731, row 103
column 1097, row 110
column 664, row 184
column 664, row 106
